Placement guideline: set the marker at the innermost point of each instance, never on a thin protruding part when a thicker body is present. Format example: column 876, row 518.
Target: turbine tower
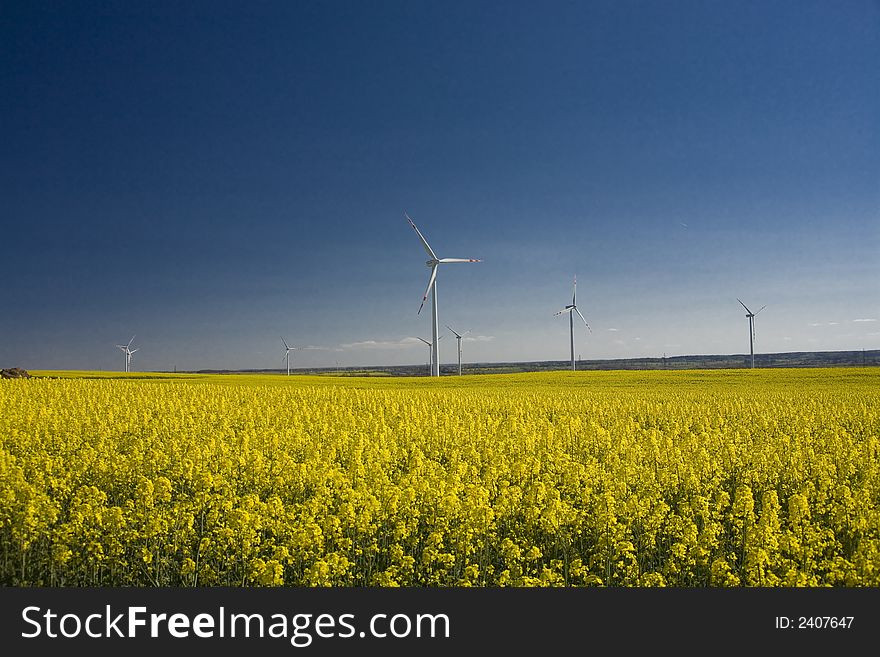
column 458, row 337
column 288, row 349
column 571, row 310
column 433, row 263
column 751, row 317
column 128, row 351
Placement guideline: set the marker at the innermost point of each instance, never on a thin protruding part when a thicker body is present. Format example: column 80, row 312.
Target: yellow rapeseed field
column 726, row 478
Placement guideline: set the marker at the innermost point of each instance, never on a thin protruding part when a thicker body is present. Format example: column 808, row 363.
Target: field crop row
column 621, row 479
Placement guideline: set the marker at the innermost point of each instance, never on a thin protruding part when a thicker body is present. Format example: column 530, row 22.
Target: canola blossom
column 724, row 478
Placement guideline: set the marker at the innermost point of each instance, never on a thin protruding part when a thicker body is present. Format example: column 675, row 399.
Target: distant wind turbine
column 751, row 317
column 430, row 354
column 128, row 351
column 458, row 337
column 433, row 263
column 287, row 351
column 571, row 309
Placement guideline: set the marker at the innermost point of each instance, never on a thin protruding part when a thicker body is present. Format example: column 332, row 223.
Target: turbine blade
column 425, row 341
column 132, row 351
column 130, row 341
column 583, row 318
column 567, row 309
column 745, row 306
column 428, row 289
column 762, row 308
column 453, row 330
column 574, row 291
column 427, row 246
column 286, row 346
column 459, row 260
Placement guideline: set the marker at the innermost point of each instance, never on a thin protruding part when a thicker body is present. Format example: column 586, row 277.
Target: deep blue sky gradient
column 210, row 176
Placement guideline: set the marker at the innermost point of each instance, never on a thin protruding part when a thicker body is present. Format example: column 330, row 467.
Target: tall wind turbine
column 433, row 263
column 751, row 317
column 571, row 309
column 458, row 337
column 128, row 351
column 288, row 349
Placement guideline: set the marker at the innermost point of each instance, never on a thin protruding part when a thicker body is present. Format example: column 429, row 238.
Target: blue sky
column 211, row 176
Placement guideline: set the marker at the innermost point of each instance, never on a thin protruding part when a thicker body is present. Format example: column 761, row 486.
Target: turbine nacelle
column 126, row 348
column 458, row 335
column 749, row 313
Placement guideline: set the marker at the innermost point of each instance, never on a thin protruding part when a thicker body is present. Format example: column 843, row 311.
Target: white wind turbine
column 430, row 354
column 571, row 310
column 751, row 317
column 128, row 351
column 458, row 337
column 288, row 349
column 433, row 263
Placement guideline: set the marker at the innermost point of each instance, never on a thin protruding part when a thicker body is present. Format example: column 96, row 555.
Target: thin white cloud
column 404, row 343
column 833, row 323
column 815, row 324
column 479, row 338
column 612, row 329
column 868, row 319
column 313, row 347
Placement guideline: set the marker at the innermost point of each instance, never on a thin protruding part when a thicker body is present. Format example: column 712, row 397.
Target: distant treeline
column 865, row 358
